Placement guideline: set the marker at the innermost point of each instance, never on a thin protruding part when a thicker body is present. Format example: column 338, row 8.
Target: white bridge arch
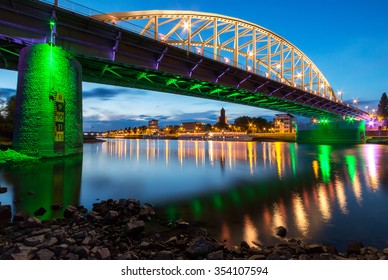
column 230, row 40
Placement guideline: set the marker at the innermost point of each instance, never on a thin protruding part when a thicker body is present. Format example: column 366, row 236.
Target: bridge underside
column 134, row 77
column 267, row 94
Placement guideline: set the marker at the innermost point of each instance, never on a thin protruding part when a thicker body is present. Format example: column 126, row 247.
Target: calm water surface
column 241, row 190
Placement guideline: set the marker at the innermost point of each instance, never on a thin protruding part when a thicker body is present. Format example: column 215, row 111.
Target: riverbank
column 127, row 230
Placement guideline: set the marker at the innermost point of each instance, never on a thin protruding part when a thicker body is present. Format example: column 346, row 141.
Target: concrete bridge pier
column 48, row 117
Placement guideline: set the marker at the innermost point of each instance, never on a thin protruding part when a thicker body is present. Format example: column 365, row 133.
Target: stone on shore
column 40, row 212
column 31, row 222
column 20, row 216
column 281, row 231
column 56, row 206
column 164, row 255
column 202, row 246
column 103, row 254
column 124, row 230
column 45, row 254
column 218, row 255
column 354, row 248
column 69, row 212
column 5, row 213
column 135, row 227
column 34, row 240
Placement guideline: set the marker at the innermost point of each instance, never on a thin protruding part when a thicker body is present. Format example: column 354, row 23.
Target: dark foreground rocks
column 127, row 230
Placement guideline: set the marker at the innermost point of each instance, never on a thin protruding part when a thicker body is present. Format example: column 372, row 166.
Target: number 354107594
column 241, row 270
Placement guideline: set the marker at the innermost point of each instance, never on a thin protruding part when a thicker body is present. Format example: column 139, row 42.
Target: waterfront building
column 284, row 123
column 153, row 125
column 193, row 126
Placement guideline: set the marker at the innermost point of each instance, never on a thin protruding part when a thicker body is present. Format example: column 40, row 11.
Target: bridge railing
column 87, row 11
column 177, row 42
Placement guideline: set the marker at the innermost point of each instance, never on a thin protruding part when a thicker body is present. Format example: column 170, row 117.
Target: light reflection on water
column 241, row 190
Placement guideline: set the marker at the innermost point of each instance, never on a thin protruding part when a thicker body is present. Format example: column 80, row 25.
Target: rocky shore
column 127, row 230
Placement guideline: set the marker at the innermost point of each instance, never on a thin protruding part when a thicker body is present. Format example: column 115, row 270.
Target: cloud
column 7, row 92
column 108, row 93
column 104, row 120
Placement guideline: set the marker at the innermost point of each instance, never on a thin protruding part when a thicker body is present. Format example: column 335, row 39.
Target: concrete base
column 48, row 117
column 333, row 132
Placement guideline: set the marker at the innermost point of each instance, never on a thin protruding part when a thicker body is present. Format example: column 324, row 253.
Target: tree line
column 7, row 116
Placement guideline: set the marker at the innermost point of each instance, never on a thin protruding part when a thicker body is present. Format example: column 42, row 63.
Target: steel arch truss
column 229, row 40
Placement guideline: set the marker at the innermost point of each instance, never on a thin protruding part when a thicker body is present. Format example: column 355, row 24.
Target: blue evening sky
column 347, row 40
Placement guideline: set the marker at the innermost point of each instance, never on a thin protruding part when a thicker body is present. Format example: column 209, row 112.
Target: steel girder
column 230, row 40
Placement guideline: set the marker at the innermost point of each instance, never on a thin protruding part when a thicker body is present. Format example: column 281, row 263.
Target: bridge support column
column 48, row 117
column 332, row 132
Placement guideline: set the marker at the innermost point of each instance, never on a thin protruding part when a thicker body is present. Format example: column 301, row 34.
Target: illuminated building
column 284, row 123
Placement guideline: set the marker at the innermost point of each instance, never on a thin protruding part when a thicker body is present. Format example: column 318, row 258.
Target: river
column 239, row 190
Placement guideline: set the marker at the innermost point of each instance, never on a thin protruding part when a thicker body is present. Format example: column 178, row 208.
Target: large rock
column 146, row 211
column 202, row 246
column 354, row 248
column 45, row 254
column 40, row 212
column 103, row 254
column 82, row 252
column 20, row 216
column 5, row 213
column 135, row 227
column 164, row 255
column 21, row 256
column 315, row 249
column 34, row 240
column 3, row 190
column 31, row 222
column 218, row 255
column 111, row 215
column 56, row 206
column 281, row 231
column 70, row 212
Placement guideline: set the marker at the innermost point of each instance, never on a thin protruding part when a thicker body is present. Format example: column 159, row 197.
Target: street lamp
column 367, row 108
column 355, row 101
column 340, row 95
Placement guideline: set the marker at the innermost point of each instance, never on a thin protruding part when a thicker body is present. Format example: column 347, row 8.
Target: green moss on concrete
column 11, row 156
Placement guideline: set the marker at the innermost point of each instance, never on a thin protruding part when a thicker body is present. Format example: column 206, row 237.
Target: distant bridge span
column 182, row 52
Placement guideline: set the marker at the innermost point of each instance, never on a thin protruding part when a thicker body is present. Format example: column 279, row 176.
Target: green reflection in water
column 197, row 208
column 217, row 202
column 351, row 162
column 235, row 197
column 249, row 192
column 46, row 183
column 293, row 158
column 324, row 162
column 171, row 212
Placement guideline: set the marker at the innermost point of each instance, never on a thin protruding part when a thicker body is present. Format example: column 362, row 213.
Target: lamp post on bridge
column 340, row 95
column 355, row 101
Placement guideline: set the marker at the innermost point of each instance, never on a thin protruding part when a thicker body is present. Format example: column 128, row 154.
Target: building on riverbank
column 284, row 123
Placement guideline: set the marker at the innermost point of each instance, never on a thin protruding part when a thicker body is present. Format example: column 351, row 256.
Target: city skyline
column 345, row 40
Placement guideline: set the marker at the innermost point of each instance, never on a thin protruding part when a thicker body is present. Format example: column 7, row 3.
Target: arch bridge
column 197, row 54
column 246, row 46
